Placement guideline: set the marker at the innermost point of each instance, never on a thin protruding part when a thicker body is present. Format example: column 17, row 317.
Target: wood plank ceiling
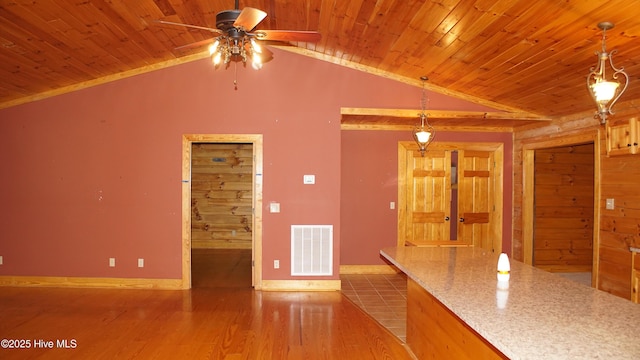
column 523, row 56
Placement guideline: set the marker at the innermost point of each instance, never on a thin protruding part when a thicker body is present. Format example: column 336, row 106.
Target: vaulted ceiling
column 523, row 56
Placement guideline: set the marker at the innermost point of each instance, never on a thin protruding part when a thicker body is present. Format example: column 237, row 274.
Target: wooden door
column 622, row 137
column 427, row 197
column 424, row 195
column 475, row 198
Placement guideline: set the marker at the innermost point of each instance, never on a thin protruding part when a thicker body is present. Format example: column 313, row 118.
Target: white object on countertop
column 504, row 267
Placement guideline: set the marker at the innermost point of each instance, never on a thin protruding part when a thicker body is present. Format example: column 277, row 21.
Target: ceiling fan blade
column 249, row 18
column 288, row 35
column 267, row 55
column 190, row 26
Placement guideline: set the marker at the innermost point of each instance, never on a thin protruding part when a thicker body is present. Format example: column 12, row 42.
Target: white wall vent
column 311, row 250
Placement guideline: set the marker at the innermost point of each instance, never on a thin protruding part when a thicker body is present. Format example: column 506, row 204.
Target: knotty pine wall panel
column 221, row 196
column 563, row 227
column 619, row 176
column 619, row 227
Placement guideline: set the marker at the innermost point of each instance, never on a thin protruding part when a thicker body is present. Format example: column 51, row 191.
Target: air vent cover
column 311, row 250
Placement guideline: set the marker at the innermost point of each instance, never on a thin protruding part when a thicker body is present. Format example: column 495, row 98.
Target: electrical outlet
column 1, row 260
column 276, row 264
column 140, row 262
column 112, row 262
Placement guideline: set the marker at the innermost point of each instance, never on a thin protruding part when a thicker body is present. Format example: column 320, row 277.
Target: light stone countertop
column 539, row 316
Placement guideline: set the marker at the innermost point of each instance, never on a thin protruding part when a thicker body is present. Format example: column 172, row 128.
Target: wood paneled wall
column 563, row 226
column 619, row 228
column 221, row 196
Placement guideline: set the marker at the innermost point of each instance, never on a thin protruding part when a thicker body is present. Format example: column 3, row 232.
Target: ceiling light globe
column 217, row 59
column 604, row 91
column 256, row 61
column 214, row 47
column 422, row 136
column 255, row 46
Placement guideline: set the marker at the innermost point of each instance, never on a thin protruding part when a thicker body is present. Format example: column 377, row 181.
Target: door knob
column 446, row 218
column 461, row 219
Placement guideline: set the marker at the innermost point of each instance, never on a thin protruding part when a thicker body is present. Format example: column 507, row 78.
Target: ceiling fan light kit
column 224, row 50
column 606, row 91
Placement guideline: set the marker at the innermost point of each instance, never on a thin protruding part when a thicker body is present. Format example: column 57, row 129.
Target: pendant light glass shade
column 424, row 133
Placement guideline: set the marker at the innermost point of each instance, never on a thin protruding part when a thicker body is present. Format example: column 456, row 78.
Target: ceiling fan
column 236, row 41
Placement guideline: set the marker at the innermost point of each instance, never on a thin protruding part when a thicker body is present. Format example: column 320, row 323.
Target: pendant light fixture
column 424, row 133
column 606, row 91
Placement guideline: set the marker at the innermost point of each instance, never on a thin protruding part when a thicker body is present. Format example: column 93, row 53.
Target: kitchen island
column 456, row 308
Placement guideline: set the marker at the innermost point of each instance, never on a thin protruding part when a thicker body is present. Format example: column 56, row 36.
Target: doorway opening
column 222, row 211
column 560, row 206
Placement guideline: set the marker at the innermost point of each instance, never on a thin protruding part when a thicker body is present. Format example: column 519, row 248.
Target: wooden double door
column 451, row 196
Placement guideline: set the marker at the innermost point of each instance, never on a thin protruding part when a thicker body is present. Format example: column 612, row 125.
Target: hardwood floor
column 202, row 323
column 220, row 268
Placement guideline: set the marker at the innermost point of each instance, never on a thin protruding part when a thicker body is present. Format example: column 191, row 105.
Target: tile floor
column 383, row 296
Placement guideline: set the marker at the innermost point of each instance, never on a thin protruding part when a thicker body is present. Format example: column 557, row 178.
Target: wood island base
column 434, row 332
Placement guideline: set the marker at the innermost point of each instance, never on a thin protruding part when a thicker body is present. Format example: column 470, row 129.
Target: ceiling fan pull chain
column 235, row 76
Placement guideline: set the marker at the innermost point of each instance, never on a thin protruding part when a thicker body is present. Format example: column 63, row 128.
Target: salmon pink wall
column 370, row 183
column 96, row 173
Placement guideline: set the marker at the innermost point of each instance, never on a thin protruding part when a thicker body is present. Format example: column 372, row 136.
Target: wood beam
column 442, row 114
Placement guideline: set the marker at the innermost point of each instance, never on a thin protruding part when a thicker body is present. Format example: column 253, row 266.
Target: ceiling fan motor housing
column 226, row 18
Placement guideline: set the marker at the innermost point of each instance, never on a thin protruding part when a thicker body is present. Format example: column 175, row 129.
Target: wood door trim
column 528, row 168
column 496, row 148
column 187, row 141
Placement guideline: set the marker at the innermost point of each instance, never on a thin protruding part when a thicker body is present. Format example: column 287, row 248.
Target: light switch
column 610, row 204
column 392, row 205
